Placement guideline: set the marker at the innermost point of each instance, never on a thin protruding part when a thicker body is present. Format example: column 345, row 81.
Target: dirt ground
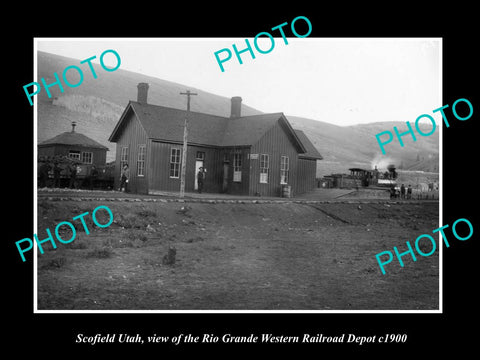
column 278, row 256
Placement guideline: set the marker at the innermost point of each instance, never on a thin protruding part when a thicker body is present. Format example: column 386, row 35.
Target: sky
column 337, row 80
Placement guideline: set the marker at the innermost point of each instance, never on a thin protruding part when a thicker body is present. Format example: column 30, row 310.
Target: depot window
column 264, row 167
column 74, row 154
column 237, row 167
column 141, row 160
column 200, row 155
column 87, row 157
column 284, row 169
column 123, row 156
column 175, row 155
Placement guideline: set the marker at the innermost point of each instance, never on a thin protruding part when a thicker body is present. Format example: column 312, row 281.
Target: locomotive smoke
column 381, row 162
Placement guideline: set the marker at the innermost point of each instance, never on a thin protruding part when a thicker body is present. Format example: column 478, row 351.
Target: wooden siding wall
column 46, row 151
column 306, row 175
column 234, row 187
column 133, row 135
column 275, row 143
column 159, row 168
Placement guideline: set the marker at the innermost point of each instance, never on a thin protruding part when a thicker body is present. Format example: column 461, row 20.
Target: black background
column 54, row 334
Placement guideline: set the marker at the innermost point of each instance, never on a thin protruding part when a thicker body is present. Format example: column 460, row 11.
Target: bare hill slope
column 97, row 104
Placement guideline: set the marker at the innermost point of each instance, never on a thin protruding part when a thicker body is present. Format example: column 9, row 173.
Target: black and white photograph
column 259, row 187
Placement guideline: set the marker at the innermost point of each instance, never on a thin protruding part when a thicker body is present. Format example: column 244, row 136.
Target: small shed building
column 76, row 146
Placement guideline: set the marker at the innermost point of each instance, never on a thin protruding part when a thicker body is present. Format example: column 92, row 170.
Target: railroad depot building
column 258, row 155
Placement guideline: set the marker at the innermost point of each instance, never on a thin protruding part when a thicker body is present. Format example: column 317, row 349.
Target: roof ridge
column 203, row 113
column 205, row 128
column 177, row 109
column 311, row 150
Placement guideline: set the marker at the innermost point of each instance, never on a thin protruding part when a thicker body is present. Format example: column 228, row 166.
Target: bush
column 117, row 243
column 131, row 221
column 100, row 253
column 55, row 263
column 131, row 239
column 45, row 205
column 136, row 235
column 146, row 213
column 77, row 245
column 194, row 239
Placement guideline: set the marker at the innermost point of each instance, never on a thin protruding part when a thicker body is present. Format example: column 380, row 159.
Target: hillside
column 97, row 104
column 356, row 146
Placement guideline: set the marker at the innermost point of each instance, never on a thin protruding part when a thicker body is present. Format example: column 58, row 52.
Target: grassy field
column 237, row 256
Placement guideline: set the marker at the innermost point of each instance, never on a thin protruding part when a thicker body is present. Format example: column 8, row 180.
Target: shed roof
column 247, row 130
column 72, row 138
column 312, row 152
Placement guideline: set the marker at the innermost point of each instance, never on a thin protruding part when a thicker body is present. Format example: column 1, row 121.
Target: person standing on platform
column 124, row 178
column 200, row 179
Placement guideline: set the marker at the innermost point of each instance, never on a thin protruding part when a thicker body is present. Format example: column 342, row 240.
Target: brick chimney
column 236, row 107
column 142, row 93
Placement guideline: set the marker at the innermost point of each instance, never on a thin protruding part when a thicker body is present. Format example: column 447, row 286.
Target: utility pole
column 184, row 152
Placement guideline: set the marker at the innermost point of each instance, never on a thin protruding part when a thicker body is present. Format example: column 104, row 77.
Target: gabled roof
column 72, row 138
column 166, row 124
column 312, row 152
column 247, row 130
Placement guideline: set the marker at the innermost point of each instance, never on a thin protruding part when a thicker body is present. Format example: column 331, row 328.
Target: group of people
column 405, row 193
column 56, row 165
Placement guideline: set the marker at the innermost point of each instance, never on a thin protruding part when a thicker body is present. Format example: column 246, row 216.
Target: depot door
column 225, row 176
column 198, row 165
column 199, row 160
